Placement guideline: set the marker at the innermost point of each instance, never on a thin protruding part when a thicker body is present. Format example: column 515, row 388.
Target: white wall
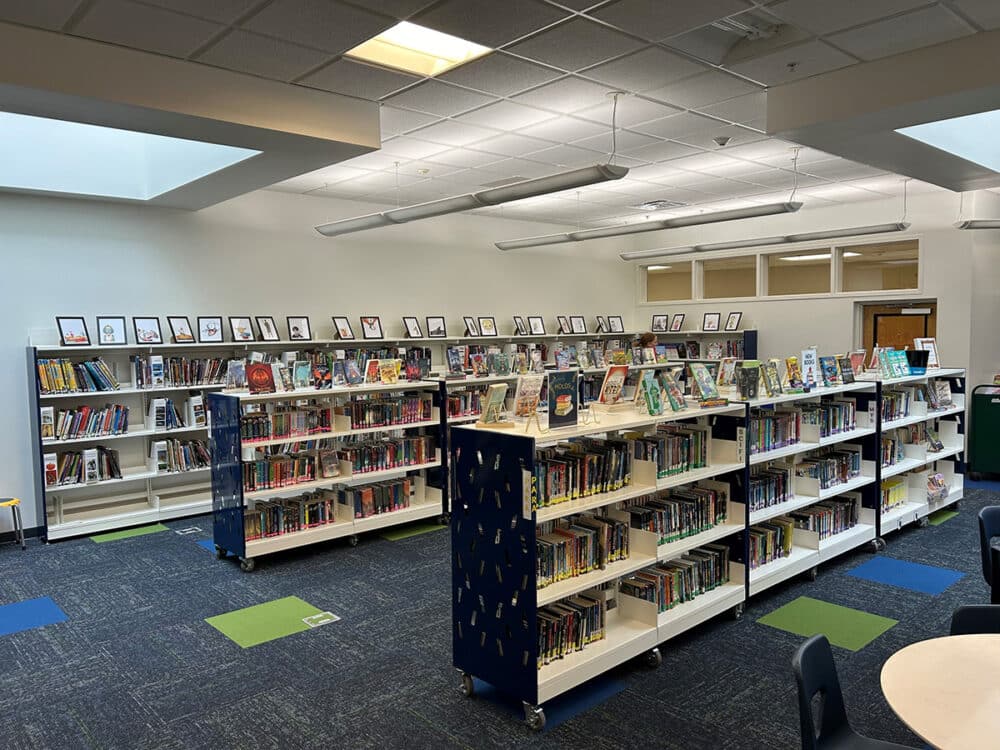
column 259, row 255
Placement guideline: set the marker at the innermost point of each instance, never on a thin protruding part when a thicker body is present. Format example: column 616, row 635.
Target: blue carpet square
column 563, row 707
column 927, row 579
column 33, row 613
column 209, row 544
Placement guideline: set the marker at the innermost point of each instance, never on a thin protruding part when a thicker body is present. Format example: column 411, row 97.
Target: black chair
column 976, row 618
column 816, row 674
column 989, row 527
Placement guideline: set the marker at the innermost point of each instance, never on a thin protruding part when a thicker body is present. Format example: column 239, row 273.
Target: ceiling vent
column 658, row 205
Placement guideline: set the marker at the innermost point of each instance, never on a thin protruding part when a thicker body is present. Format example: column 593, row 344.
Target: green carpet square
column 405, row 532
column 938, row 517
column 114, row 536
column 264, row 622
column 845, row 627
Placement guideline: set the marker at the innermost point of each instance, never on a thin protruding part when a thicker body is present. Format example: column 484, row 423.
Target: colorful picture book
column 703, row 380
column 529, row 389
column 563, row 396
column 614, row 383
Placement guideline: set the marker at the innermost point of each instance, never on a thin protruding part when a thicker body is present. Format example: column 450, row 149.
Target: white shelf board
column 338, row 433
column 941, row 372
column 685, row 616
column 848, row 486
column 907, row 464
column 625, row 639
column 838, row 544
column 893, row 424
column 85, row 527
column 136, row 475
column 788, row 450
column 797, row 502
column 712, row 470
column 362, row 478
column 122, row 436
column 346, row 390
column 680, row 547
column 956, row 492
column 814, row 393
column 396, row 517
column 129, row 389
column 271, row 544
column 168, row 510
column 470, row 380
column 464, row 419
column 561, row 589
column 571, row 507
column 798, row 561
column 843, row 437
column 901, row 515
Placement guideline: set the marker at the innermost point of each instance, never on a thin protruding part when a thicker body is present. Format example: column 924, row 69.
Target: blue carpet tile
column 135, row 666
column 34, row 613
column 927, row 579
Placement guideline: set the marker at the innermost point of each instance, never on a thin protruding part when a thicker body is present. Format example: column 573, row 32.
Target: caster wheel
column 535, row 717
column 467, row 687
column 247, row 566
column 444, row 520
column 654, row 658
column 737, row 612
column 812, row 573
column 923, row 522
column 956, row 505
column 220, row 553
column 878, row 545
column 353, row 541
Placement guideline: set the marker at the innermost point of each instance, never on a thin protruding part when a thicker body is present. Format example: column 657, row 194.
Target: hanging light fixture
column 973, row 223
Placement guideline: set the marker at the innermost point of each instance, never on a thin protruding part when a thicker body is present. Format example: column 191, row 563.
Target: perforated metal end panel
column 227, row 473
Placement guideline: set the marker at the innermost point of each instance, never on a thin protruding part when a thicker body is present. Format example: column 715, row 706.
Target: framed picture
column 268, row 329
column 242, row 329
column 412, row 326
column 436, row 327
column 564, row 326
column 711, row 322
column 577, row 324
column 733, row 321
column 536, row 325
column 470, row 326
column 371, row 327
column 487, row 327
column 147, row 330
column 659, row 324
column 180, row 328
column 344, row 330
column 615, row 324
column 210, row 329
column 298, row 328
column 602, row 324
column 520, row 326
column 677, row 322
column 928, row 345
column 111, row 330
column 73, row 332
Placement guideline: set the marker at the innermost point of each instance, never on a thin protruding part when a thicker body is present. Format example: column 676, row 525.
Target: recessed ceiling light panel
column 417, row 49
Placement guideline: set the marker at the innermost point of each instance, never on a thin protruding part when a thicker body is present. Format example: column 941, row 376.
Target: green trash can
column 984, row 435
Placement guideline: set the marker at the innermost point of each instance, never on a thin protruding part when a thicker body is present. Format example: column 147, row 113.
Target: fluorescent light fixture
column 831, row 234
column 417, row 49
column 740, row 243
column 656, row 253
column 978, row 224
column 57, row 156
column 657, row 268
column 619, row 230
column 970, row 137
column 492, row 197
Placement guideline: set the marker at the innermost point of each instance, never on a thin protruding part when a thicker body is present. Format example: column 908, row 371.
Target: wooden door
column 897, row 325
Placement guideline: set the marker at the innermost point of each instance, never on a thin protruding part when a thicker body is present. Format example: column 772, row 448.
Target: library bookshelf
column 399, row 458
column 498, row 598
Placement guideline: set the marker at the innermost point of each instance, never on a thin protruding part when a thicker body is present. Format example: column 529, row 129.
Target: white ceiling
column 539, row 103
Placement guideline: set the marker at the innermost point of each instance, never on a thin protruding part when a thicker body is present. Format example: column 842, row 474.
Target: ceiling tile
column 704, row 89
column 837, row 192
column 576, row 44
column 335, row 173
column 322, row 24
column 506, row 115
column 627, row 141
column 631, row 110
column 439, row 98
column 678, row 125
column 452, row 133
column 798, row 61
column 565, row 95
column 500, row 74
column 842, row 169
column 261, row 55
column 782, row 179
column 707, row 43
column 658, row 19
column 489, row 22
column 662, row 151
column 743, row 109
column 922, row 28
column 296, row 185
column 466, row 158
column 395, row 120
column 223, row 11
column 564, row 129
column 145, row 28
column 511, row 144
column 736, row 135
column 396, row 8
column 377, row 181
column 50, row 14
column 646, row 69
column 824, row 17
column 411, row 148
column 373, row 161
column 358, row 79
column 524, row 167
column 985, row 13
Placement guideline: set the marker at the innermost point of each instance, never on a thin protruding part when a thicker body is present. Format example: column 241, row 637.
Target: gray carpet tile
column 136, row 666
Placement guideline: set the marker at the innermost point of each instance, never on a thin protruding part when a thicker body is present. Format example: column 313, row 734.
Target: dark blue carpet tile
column 136, row 666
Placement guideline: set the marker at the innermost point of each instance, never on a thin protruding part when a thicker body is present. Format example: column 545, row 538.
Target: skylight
column 56, row 156
column 417, row 49
column 972, row 137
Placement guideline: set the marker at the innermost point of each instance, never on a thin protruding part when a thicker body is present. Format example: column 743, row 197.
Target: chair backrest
column 989, row 527
column 815, row 673
column 976, row 618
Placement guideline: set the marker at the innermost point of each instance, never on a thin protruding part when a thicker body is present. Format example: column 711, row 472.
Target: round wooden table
column 947, row 690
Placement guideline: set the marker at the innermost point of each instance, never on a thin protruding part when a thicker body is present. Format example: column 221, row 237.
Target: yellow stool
column 15, row 508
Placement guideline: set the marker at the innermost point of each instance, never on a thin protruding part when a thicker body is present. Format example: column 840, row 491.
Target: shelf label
column 528, row 494
column 188, row 530
column 323, row 618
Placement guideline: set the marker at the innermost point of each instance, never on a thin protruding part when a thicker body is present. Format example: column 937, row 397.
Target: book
column 456, row 368
column 933, row 440
column 829, row 370
column 156, row 371
column 857, row 358
column 692, row 349
column 674, row 394
column 236, row 376
column 942, row 390
column 614, row 383
column 583, row 358
column 846, row 369
column 353, row 372
column 339, row 373
column 900, row 364
column 50, row 464
column 563, row 396
column 372, row 371
column 772, row 380
column 329, row 463
column 748, row 379
column 301, row 373
column 562, row 359
column 260, row 378
column 651, row 393
column 727, row 372
column 478, row 364
column 388, row 371
column 529, row 389
column 661, row 353
column 704, row 381
column 937, row 487
column 649, row 356
column 91, row 472
column 47, row 422
column 810, row 367
column 793, row 375
column 196, row 411
column 494, row 403
column 283, row 375
column 672, row 351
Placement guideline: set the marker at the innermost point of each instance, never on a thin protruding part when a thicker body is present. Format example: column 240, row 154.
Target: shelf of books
column 579, row 545
column 293, row 468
